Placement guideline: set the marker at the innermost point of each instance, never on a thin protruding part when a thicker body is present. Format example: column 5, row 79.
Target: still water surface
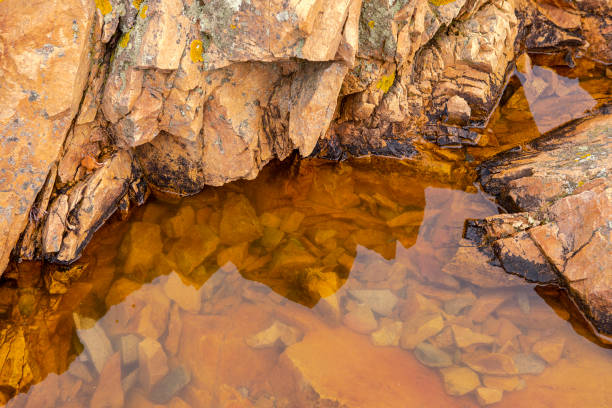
column 316, row 285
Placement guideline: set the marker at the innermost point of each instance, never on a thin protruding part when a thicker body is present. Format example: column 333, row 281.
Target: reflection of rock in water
column 162, row 306
column 298, row 235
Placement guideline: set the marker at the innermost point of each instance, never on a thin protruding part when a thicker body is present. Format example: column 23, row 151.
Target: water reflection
column 315, row 285
column 540, row 97
column 553, row 99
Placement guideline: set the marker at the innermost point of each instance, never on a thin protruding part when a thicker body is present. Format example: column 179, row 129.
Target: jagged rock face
column 44, row 66
column 186, row 93
column 561, row 192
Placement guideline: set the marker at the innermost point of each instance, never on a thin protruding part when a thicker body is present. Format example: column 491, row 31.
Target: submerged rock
column 459, row 380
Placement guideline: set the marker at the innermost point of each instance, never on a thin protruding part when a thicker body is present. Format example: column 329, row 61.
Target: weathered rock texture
column 103, row 102
column 560, row 197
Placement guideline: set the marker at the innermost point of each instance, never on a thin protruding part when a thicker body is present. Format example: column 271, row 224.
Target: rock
column 485, row 305
column 277, row 332
column 528, row 363
column 170, row 385
column 507, row 331
column 465, row 337
column 573, row 205
column 502, row 383
column 40, row 98
column 330, row 361
column 203, row 94
column 329, row 308
column 177, row 226
column 292, row 255
column 388, row 334
column 139, row 247
column 109, row 393
column 239, row 222
column 432, row 356
column 120, row 289
column 420, row 329
column 187, row 297
column 361, row 319
column 193, row 248
column 458, row 111
column 456, row 305
column 490, row 363
column 95, row 341
column 549, row 350
column 80, row 370
column 175, row 325
column 152, row 363
column 475, row 265
column 87, row 205
column 459, row 380
column 379, row 301
column 129, row 381
column 488, row 396
column 128, row 347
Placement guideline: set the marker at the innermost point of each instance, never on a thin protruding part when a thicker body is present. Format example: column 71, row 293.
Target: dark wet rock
column 520, row 256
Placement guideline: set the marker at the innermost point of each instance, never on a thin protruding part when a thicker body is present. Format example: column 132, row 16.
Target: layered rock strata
column 559, row 196
column 103, row 102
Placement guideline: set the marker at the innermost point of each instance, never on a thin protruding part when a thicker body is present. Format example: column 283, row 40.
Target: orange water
column 249, row 296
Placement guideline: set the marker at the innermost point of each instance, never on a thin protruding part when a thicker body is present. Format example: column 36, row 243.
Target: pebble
column 414, row 333
column 278, row 331
column 432, row 356
column 549, row 350
column 490, row 363
column 381, row 301
column 465, row 337
column 459, row 380
column 388, row 335
column 528, row 363
column 361, row 319
column 488, row 396
column 485, row 305
column 456, row 305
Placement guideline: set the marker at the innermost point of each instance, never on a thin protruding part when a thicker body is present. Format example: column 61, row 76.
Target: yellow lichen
column 137, row 3
column 143, row 11
column 124, row 40
column 104, row 6
column 233, row 26
column 386, row 82
column 371, row 24
column 196, row 50
column 440, row 2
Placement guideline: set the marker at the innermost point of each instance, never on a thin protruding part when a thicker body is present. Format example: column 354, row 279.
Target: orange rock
column 333, row 366
column 549, row 350
column 490, row 363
